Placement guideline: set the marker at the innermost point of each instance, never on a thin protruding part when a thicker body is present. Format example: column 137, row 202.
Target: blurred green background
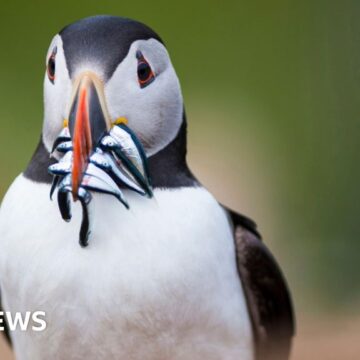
column 271, row 90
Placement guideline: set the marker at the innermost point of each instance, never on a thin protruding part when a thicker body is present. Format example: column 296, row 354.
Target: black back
column 267, row 295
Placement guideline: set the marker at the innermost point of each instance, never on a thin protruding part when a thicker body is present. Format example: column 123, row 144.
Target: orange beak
column 82, row 145
column 88, row 121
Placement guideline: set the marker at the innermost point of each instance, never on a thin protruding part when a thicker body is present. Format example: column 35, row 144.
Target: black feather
column 267, row 294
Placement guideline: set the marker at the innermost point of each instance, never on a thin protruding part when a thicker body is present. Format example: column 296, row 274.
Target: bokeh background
column 272, row 96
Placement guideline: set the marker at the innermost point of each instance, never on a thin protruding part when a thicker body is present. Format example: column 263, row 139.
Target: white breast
column 157, row 282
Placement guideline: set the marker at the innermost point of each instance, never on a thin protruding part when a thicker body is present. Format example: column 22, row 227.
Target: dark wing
column 266, row 292
column 3, row 324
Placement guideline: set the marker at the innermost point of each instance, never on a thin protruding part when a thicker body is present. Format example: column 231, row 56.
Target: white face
column 154, row 112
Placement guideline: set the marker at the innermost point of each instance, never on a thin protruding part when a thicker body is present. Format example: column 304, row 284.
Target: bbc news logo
column 23, row 321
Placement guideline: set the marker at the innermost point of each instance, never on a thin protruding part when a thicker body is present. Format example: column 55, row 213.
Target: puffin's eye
column 144, row 71
column 51, row 67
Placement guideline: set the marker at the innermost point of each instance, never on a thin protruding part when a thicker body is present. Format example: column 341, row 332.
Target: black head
column 104, row 39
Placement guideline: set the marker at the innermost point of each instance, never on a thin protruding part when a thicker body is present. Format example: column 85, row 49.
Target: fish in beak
column 97, row 154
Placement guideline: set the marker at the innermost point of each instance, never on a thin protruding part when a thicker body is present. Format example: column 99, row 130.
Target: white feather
column 56, row 96
column 155, row 112
column 158, row 281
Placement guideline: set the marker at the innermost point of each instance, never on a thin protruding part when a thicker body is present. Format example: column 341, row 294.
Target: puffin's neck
column 168, row 168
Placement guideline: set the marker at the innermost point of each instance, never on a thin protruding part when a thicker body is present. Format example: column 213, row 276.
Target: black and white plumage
column 175, row 277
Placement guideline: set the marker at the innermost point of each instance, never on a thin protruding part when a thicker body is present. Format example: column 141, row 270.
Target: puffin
column 109, row 233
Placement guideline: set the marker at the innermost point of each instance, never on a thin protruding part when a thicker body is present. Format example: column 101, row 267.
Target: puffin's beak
column 99, row 155
column 88, row 121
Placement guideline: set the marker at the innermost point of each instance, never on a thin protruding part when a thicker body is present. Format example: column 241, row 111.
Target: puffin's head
column 123, row 71
column 112, row 102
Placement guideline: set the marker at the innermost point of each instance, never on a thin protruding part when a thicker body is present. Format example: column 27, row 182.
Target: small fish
column 64, row 147
column 119, row 161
